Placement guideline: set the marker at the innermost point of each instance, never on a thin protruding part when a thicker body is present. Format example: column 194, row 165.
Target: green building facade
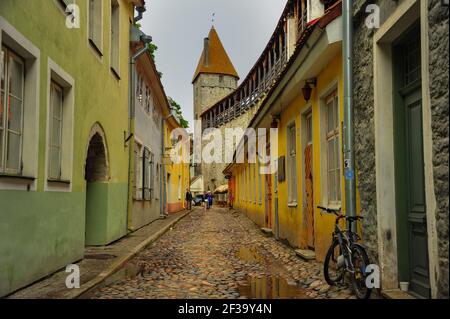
column 63, row 123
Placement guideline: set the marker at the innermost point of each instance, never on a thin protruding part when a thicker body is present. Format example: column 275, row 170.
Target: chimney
column 206, row 51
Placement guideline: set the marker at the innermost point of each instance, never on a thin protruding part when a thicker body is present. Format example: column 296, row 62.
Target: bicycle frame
column 345, row 239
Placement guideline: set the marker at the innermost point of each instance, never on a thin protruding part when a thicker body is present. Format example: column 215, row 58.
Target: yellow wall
column 291, row 219
column 179, row 173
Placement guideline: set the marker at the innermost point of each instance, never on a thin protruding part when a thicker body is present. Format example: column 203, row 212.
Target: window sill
column 29, row 178
column 115, row 73
column 96, row 48
column 142, row 200
column 293, row 204
column 335, row 206
column 58, row 181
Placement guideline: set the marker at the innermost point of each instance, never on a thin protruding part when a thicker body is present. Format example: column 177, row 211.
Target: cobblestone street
column 217, row 254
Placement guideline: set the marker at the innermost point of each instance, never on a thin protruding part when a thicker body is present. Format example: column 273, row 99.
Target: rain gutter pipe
column 349, row 152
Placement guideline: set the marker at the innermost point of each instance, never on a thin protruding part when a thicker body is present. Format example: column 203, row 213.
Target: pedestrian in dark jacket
column 210, row 200
column 188, row 199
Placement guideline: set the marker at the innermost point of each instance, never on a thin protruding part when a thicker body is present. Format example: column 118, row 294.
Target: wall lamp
column 275, row 120
column 307, row 89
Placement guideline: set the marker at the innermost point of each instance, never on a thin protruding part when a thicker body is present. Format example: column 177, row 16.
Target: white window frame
column 95, row 22
column 291, row 154
column 55, row 87
column 65, row 81
column 7, row 54
column 308, row 112
column 24, row 48
column 137, row 158
column 146, row 174
column 325, row 201
column 333, row 135
column 115, row 37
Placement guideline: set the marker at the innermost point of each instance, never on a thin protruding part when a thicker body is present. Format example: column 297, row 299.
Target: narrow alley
column 219, row 253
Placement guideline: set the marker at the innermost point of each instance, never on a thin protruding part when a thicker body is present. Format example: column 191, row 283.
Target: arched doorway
column 96, row 176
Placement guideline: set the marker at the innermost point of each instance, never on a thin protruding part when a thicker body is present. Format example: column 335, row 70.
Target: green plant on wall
column 177, row 109
column 152, row 48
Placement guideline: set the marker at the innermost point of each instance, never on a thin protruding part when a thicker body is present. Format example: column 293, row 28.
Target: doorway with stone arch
column 97, row 177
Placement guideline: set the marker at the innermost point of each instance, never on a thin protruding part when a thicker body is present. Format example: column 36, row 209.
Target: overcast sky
column 179, row 26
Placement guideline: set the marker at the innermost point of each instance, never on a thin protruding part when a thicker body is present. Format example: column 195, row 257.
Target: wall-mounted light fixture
column 307, row 89
column 275, row 120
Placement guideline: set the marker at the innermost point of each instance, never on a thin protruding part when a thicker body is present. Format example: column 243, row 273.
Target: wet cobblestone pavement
column 218, row 254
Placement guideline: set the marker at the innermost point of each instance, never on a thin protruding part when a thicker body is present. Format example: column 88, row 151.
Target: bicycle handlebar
column 329, row 210
column 337, row 213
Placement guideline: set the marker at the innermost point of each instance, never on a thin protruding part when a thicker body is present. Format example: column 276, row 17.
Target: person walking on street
column 210, row 200
column 205, row 201
column 188, row 199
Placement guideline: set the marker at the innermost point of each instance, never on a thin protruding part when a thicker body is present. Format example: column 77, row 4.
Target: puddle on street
column 249, row 254
column 129, row 271
column 270, row 287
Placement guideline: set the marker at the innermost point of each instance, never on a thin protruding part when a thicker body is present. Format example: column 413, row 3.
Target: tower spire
column 214, row 58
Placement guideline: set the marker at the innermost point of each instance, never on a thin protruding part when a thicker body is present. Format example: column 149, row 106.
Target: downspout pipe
column 349, row 152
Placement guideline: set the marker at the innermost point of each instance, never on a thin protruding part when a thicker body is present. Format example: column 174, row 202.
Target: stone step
column 396, row 294
column 306, row 254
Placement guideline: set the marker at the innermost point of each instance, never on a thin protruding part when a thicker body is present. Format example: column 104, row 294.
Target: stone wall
column 438, row 65
column 364, row 126
column 209, row 89
column 363, row 88
column 212, row 173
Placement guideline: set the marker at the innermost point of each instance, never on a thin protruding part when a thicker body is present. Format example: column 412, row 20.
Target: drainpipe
column 349, row 152
column 131, row 109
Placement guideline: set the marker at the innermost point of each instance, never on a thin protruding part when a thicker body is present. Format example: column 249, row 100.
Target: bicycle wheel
column 360, row 261
column 331, row 271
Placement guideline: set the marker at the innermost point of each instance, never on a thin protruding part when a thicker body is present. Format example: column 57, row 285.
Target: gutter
column 349, row 152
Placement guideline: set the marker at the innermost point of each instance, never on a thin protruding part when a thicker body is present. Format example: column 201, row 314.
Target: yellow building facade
column 176, row 172
column 310, row 158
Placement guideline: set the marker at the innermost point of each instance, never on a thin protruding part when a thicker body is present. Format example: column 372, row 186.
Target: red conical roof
column 218, row 59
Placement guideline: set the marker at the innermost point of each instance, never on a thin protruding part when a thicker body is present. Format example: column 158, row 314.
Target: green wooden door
column 410, row 182
column 416, row 206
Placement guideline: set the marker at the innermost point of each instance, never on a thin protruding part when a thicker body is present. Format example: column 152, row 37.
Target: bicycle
column 346, row 255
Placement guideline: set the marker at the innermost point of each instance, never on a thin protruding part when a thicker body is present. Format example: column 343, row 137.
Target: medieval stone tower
column 214, row 78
